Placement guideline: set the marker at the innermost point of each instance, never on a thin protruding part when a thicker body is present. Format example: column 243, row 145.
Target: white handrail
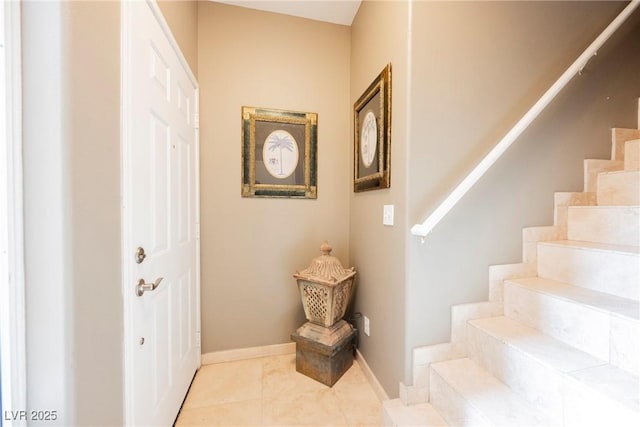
column 474, row 176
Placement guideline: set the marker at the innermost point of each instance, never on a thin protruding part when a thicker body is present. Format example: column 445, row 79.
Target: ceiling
column 335, row 11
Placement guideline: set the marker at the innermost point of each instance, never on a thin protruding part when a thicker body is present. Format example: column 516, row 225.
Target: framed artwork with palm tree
column 372, row 135
column 279, row 153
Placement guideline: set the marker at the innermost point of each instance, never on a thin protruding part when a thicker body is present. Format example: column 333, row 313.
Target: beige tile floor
column 269, row 392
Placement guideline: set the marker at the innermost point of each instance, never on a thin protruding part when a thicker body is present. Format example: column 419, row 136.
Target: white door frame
column 12, row 303
column 125, row 143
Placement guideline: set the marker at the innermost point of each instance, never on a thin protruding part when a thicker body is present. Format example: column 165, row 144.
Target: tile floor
column 269, row 392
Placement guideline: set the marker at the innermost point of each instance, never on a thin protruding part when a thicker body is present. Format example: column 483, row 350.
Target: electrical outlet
column 366, row 326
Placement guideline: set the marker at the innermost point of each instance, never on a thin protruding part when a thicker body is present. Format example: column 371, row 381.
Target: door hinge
column 196, row 120
column 198, row 339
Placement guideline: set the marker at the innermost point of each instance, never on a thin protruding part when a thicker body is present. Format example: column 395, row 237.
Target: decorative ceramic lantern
column 325, row 288
column 324, row 344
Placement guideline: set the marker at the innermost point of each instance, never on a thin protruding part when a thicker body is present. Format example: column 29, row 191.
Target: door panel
column 160, row 158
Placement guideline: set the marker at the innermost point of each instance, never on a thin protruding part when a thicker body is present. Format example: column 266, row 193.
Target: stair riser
column 625, row 344
column 577, row 325
column 619, row 138
column 466, row 394
column 632, row 155
column 462, row 313
column 395, row 413
column 562, row 200
column 531, row 236
column 536, row 383
column 499, row 273
column 452, row 406
column 619, row 189
column 387, row 418
column 612, row 225
column 423, row 357
column 585, row 408
column 594, row 167
column 611, row 272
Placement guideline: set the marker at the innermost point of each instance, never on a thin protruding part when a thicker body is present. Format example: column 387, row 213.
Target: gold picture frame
column 372, row 135
column 279, row 153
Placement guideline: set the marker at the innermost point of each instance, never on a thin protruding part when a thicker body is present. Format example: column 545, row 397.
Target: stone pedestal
column 324, row 345
column 322, row 353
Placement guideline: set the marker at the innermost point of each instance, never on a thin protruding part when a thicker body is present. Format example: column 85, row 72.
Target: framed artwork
column 372, row 135
column 279, row 153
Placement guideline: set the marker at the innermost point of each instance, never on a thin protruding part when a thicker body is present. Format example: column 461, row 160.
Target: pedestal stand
column 324, row 353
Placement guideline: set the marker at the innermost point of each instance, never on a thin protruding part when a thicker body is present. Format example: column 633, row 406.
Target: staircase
column 558, row 344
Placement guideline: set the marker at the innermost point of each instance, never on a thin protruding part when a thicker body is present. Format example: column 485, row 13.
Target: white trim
column 474, row 176
column 248, row 353
column 125, row 148
column 197, row 192
column 12, row 298
column 373, row 381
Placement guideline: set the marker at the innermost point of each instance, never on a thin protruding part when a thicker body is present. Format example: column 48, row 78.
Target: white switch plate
column 366, row 326
column 387, row 215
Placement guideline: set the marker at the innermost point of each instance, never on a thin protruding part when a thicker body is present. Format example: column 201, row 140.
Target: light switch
column 387, row 215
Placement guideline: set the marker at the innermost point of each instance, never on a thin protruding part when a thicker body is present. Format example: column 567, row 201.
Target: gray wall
column 71, row 90
column 469, row 87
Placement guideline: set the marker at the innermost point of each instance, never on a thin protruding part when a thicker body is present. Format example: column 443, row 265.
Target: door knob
column 142, row 287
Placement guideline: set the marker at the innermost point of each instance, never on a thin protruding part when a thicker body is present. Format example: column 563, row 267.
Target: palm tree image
column 280, row 140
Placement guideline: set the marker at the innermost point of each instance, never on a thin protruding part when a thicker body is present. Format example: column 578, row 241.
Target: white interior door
column 160, row 186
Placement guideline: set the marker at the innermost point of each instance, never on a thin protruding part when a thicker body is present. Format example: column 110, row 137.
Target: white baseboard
column 375, row 384
column 248, row 353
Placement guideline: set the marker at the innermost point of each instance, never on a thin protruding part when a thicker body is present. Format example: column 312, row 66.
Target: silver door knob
column 142, row 287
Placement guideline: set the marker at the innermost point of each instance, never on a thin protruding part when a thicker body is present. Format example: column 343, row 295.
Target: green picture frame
column 279, row 153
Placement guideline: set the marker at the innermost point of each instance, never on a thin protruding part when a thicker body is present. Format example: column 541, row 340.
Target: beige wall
column 478, row 77
column 93, row 123
column 251, row 247
column 379, row 36
column 182, row 17
column 471, row 82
